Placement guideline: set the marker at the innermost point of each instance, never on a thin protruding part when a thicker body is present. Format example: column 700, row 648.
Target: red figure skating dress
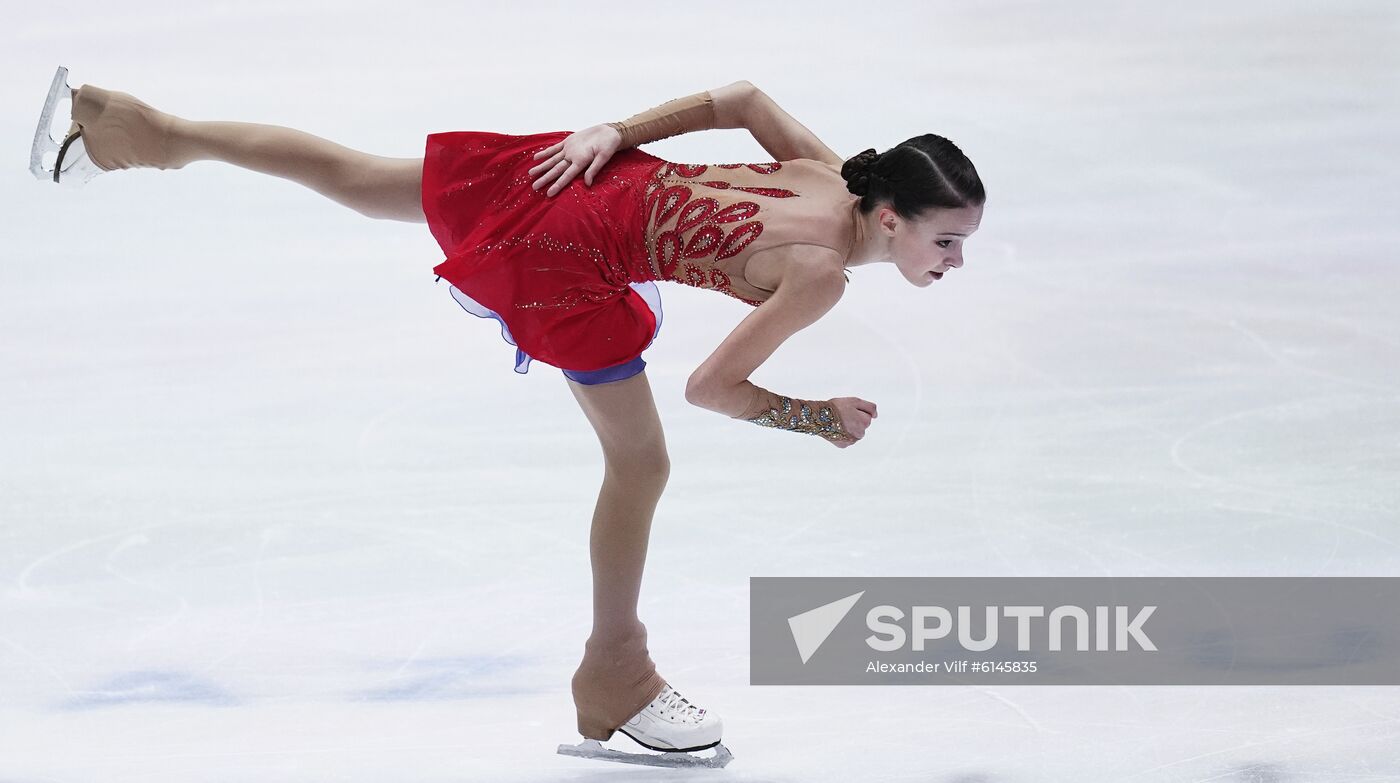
column 572, row 277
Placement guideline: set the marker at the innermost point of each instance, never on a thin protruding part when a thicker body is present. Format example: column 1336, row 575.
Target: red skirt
column 565, row 275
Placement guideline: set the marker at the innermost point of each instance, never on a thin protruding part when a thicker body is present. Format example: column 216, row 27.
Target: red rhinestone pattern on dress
column 703, row 234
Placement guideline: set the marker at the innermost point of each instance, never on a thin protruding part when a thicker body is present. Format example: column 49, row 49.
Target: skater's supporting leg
column 374, row 186
column 636, row 467
column 617, row 677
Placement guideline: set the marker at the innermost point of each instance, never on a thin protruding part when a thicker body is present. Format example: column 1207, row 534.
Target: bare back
column 734, row 227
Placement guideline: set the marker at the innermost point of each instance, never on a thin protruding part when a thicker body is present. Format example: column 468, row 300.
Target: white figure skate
column 71, row 165
column 670, row 724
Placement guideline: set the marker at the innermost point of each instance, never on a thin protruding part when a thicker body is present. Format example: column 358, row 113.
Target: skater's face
column 926, row 248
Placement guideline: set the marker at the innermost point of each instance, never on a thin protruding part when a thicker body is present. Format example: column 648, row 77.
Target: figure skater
column 568, row 266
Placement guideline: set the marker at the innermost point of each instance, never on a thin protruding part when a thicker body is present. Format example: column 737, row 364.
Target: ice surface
column 273, row 508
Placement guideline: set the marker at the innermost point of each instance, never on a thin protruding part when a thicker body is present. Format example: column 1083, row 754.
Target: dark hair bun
column 917, row 175
column 858, row 170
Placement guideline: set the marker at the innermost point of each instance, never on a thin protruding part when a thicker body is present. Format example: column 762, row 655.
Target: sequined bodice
column 643, row 219
column 702, row 223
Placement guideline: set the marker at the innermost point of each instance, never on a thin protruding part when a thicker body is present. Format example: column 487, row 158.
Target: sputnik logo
column 811, row 628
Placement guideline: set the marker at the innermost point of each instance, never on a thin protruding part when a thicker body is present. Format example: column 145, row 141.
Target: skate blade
column 593, row 749
column 71, row 165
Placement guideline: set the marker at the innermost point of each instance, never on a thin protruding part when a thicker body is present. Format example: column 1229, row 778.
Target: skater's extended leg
column 617, row 677
column 375, row 186
column 121, row 131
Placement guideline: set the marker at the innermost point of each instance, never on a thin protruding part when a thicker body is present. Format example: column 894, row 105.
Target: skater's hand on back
column 855, row 415
column 587, row 150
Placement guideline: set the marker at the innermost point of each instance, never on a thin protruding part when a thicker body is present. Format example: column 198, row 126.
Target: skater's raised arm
column 722, row 107
column 720, row 383
column 672, row 118
column 590, row 149
column 779, row 133
column 737, row 105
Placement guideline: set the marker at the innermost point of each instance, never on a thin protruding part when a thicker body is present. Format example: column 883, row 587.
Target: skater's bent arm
column 780, row 134
column 806, row 292
column 735, row 105
column 722, row 107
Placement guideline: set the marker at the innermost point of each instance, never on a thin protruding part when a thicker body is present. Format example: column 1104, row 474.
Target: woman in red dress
column 561, row 237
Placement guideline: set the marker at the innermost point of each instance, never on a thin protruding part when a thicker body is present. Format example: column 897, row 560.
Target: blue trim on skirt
column 618, row 372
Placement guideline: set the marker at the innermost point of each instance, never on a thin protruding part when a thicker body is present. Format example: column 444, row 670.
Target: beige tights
column 617, row 677
column 121, row 131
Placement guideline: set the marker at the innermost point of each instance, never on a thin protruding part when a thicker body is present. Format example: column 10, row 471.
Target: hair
column 917, row 175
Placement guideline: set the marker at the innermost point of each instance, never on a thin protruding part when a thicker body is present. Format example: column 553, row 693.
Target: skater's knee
column 643, row 465
column 385, row 188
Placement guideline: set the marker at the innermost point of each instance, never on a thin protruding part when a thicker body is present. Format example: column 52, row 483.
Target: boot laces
column 672, row 700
